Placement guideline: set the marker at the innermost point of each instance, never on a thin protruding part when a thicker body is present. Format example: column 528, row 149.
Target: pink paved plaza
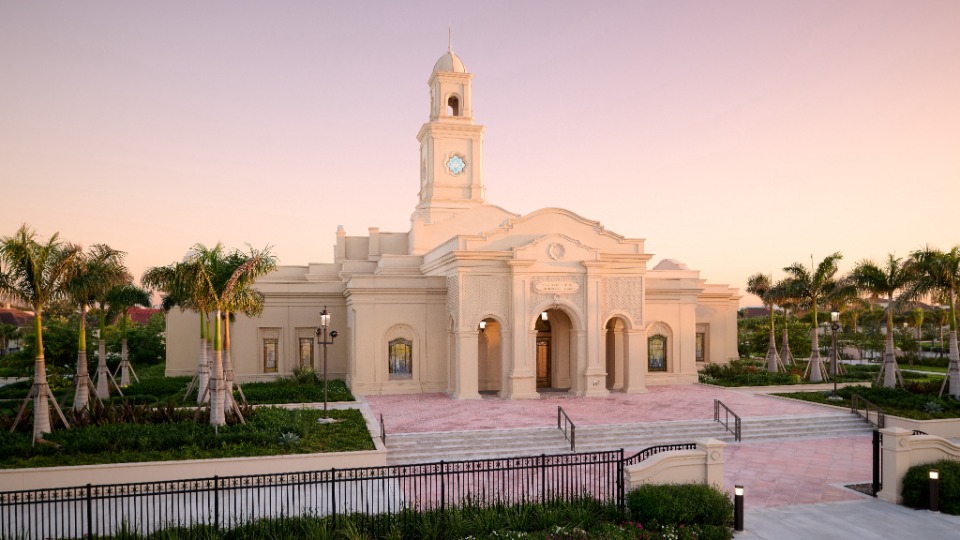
column 776, row 473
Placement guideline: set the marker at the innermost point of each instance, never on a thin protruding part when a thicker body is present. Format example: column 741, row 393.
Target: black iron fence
column 225, row 502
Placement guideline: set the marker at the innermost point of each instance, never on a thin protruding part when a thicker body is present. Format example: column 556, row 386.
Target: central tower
column 451, row 145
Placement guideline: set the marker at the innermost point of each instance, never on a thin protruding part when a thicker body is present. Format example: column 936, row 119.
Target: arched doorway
column 489, row 356
column 617, row 350
column 554, row 350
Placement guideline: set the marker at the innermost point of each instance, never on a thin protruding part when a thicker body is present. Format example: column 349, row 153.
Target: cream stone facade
column 474, row 298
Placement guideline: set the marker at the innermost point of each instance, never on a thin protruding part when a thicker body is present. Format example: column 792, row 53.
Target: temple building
column 474, row 298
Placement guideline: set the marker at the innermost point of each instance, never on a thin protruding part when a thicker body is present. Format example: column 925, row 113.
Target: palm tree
column 941, row 316
column 842, row 293
column 180, row 284
column 781, row 295
column 121, row 299
column 245, row 300
column 893, row 281
column 810, row 286
column 95, row 273
column 223, row 281
column 760, row 284
column 35, row 273
column 938, row 272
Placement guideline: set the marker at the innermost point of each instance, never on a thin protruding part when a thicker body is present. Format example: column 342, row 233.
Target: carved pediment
column 555, row 248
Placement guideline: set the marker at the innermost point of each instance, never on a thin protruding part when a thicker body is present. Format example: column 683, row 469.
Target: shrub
column 916, row 486
column 698, row 506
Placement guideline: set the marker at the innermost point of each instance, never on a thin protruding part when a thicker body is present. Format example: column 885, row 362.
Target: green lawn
column 920, row 401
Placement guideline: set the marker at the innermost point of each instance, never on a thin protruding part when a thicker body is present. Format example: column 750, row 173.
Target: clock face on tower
column 455, row 164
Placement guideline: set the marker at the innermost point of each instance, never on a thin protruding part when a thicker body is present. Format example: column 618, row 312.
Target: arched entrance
column 554, row 350
column 489, row 355
column 617, row 352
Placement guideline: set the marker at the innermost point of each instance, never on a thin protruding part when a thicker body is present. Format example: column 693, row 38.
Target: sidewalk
column 863, row 519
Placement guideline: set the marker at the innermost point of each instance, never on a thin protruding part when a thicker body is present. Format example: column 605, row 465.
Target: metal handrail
column 855, row 407
column 726, row 418
column 654, row 450
column 383, row 431
column 563, row 420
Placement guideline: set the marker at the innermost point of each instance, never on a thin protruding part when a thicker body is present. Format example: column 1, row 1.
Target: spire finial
column 449, row 37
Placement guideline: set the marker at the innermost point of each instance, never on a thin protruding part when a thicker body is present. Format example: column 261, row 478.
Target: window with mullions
column 270, row 355
column 401, row 359
column 657, row 353
column 306, row 352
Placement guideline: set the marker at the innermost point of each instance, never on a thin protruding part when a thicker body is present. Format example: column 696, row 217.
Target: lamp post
column 835, row 359
column 322, row 340
column 934, row 490
column 738, row 508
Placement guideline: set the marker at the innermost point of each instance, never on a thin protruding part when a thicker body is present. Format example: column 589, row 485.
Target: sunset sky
column 735, row 136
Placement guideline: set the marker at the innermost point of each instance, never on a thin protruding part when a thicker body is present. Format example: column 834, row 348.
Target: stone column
column 635, row 362
column 713, row 475
column 520, row 379
column 467, row 372
column 594, row 372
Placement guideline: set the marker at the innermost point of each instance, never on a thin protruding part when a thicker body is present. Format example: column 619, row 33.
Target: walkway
column 774, row 473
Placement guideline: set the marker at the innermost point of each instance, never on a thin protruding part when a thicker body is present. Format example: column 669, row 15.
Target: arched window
column 401, row 358
column 453, row 106
column 657, row 353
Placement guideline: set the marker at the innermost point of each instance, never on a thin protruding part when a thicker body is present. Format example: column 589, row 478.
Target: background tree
column 120, row 299
column 760, row 284
column 892, row 280
column 95, row 273
column 938, row 273
column 941, row 317
column 35, row 273
column 810, row 287
column 782, row 295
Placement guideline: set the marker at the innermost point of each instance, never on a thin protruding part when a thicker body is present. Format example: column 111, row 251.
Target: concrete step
column 482, row 444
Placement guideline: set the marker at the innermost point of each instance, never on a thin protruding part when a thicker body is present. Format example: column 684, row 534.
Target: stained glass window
column 401, row 359
column 657, row 353
column 269, row 355
column 306, row 352
column 701, row 342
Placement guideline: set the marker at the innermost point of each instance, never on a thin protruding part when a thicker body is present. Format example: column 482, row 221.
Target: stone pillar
column 467, row 374
column 635, row 362
column 520, row 379
column 594, row 372
column 713, row 474
column 340, row 251
column 895, row 462
column 373, row 246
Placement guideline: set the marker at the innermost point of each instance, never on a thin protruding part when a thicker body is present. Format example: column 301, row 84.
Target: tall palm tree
column 781, row 294
column 811, row 286
column 244, row 300
column 760, row 285
column 224, row 278
column 35, row 273
column 96, row 272
column 891, row 280
column 941, row 316
column 121, row 299
column 180, row 284
column 938, row 273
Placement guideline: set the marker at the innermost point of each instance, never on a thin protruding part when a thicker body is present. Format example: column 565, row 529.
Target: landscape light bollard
column 322, row 340
column 834, row 326
column 738, row 508
column 934, row 490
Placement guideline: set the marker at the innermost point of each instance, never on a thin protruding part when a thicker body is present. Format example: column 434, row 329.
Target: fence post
column 89, row 511
column 216, row 502
column 443, row 473
column 543, row 478
column 877, row 480
column 333, row 495
column 621, row 502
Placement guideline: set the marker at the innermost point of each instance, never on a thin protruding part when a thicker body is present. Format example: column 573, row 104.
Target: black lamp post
column 322, row 340
column 738, row 508
column 835, row 358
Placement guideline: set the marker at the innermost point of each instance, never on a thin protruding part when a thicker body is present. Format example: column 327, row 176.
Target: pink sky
column 734, row 136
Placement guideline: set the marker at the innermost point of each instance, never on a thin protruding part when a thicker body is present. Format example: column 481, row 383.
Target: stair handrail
column 383, row 431
column 564, row 421
column 717, row 404
column 654, row 450
column 858, row 402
